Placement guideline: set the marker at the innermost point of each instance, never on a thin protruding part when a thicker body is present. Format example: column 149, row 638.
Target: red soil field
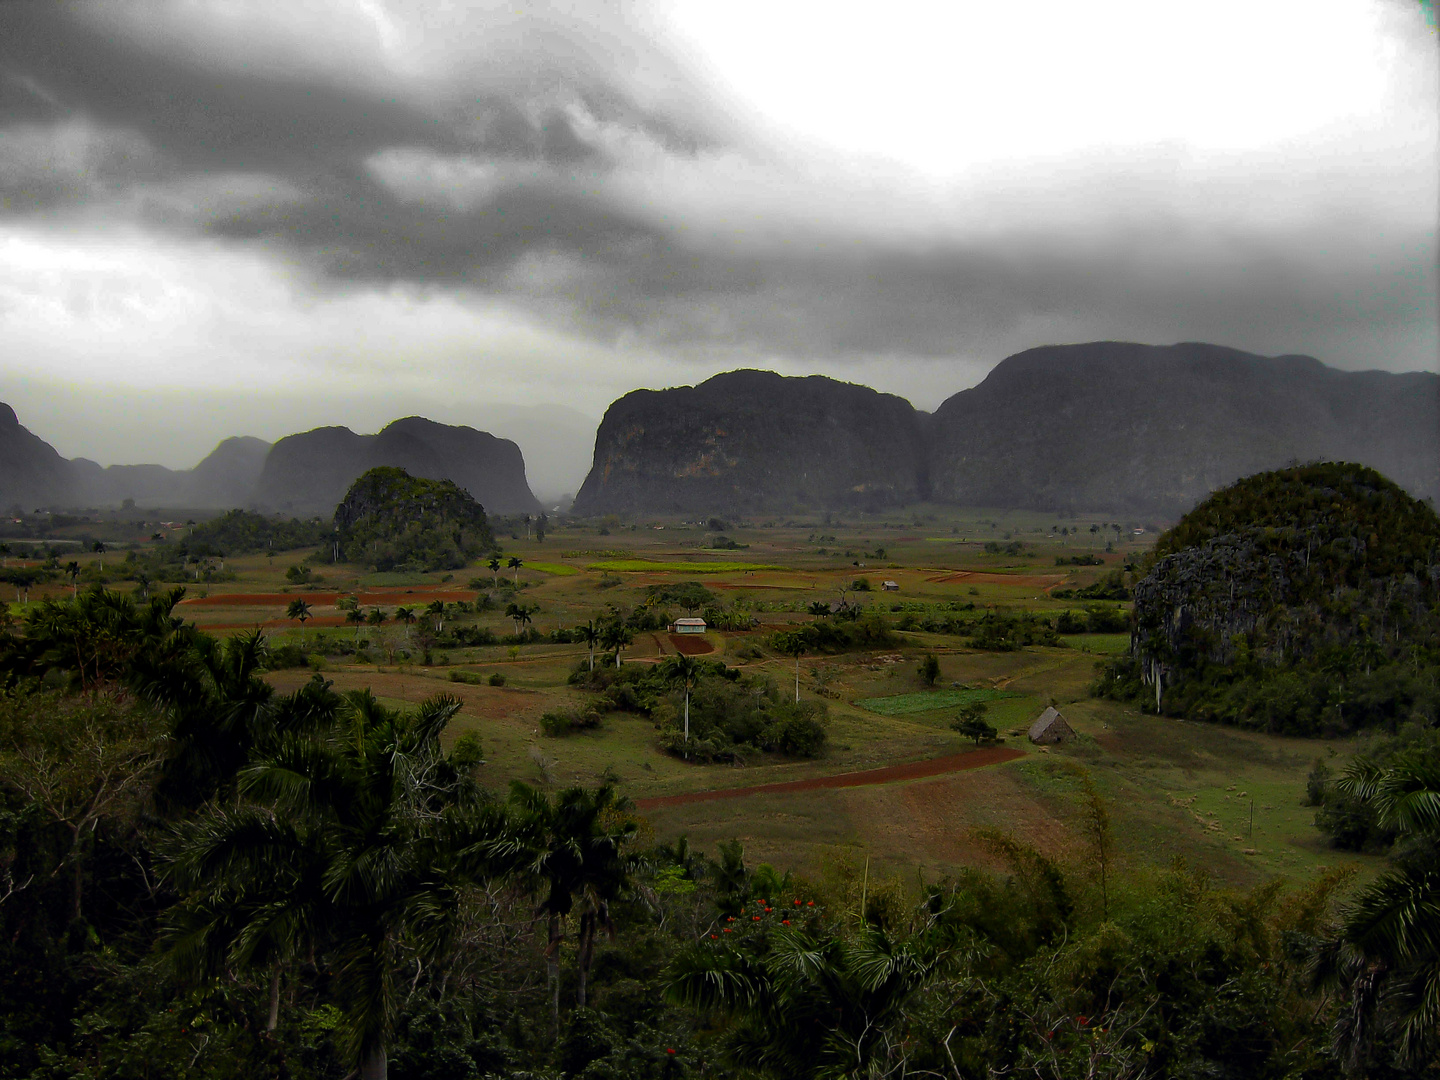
column 915, row 770
column 691, row 644
column 1029, row 581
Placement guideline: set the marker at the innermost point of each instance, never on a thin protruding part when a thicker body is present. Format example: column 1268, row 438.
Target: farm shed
column 1051, row 727
column 890, row 586
column 689, row 626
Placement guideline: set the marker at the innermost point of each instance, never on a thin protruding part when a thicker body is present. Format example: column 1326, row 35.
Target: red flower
column 797, row 902
column 712, row 937
column 754, row 918
column 1082, row 1020
column 809, row 903
column 767, row 911
column 669, row 1049
column 729, row 918
column 728, row 930
column 785, row 921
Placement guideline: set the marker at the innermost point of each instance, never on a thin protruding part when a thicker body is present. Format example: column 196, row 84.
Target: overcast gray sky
column 252, row 218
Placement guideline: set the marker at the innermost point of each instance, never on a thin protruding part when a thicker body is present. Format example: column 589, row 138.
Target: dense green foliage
column 394, row 521
column 1302, row 600
column 203, row 878
column 242, row 532
column 732, row 716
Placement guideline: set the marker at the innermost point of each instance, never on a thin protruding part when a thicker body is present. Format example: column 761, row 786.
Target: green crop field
column 616, row 566
column 1175, row 789
column 928, row 701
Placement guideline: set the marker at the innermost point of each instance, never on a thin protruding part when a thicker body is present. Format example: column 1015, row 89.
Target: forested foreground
column 200, row 877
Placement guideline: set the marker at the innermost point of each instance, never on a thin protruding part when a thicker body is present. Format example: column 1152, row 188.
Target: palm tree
column 494, row 565
column 436, row 610
column 72, row 570
column 514, row 564
column 811, row 1005
column 99, row 548
column 357, row 617
column 405, row 616
column 4, row 555
column 682, row 670
column 574, row 851
column 819, row 609
column 376, row 617
column 616, row 635
column 1385, row 957
column 515, row 612
column 592, row 633
column 354, row 842
column 793, row 644
column 298, row 610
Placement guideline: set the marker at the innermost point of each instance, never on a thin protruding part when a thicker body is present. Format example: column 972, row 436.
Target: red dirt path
column 915, row 770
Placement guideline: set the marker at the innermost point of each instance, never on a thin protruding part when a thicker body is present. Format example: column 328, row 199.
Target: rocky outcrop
column 1285, row 567
column 392, row 520
column 753, row 440
column 33, row 474
column 1115, row 427
column 310, row 473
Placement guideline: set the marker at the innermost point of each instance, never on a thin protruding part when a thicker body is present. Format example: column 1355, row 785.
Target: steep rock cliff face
column 390, row 519
column 1327, row 566
column 310, row 473
column 31, row 472
column 754, row 440
column 1125, row 428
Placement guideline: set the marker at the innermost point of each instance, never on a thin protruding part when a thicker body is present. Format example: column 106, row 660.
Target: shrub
column 563, row 722
column 496, row 678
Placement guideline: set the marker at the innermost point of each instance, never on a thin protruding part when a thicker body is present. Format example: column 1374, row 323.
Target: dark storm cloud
column 515, row 195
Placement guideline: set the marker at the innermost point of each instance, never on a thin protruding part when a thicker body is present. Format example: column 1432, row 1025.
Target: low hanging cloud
column 590, row 181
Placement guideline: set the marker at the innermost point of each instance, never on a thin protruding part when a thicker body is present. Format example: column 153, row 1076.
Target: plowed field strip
column 374, row 595
column 915, row 770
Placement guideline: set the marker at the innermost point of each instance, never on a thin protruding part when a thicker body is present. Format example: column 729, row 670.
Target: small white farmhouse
column 689, row 626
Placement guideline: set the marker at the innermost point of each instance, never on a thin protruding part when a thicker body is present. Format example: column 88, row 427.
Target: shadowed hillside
column 748, row 440
column 1119, row 427
column 309, row 473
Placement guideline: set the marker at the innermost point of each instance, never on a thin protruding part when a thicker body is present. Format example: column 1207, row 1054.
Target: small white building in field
column 890, row 586
column 689, row 626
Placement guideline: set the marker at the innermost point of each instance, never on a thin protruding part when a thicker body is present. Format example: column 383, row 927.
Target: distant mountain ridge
column 1126, row 428
column 753, row 440
column 304, row 475
column 33, row 474
column 309, row 473
column 1105, row 427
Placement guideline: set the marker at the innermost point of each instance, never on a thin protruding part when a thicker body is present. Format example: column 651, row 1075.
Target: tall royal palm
column 591, row 632
column 355, row 841
column 575, row 851
column 615, row 636
column 683, row 671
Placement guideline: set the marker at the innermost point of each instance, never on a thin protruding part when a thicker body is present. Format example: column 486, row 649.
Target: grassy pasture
column 1174, row 789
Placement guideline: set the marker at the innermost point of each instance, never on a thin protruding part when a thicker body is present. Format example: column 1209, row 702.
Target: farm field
column 1175, row 790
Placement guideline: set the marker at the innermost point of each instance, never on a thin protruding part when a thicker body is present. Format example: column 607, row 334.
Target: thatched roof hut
column 1051, row 728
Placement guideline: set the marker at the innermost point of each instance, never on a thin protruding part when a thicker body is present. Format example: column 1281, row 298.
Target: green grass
column 929, row 701
column 558, row 569
column 643, row 565
column 1104, row 644
column 397, row 577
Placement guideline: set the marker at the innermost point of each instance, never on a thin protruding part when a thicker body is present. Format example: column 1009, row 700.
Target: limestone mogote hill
column 1103, row 427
